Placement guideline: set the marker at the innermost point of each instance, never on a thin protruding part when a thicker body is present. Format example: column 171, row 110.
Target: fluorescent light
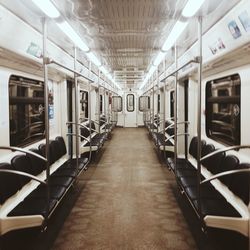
column 47, row 7
column 143, row 83
column 174, row 34
column 116, row 84
column 159, row 58
column 94, row 59
column 150, row 73
column 109, row 77
column 73, row 36
column 192, row 7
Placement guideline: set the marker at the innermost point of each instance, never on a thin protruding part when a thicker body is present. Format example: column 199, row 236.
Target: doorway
column 130, row 110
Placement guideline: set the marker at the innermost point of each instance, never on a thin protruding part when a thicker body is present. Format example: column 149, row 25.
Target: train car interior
column 124, row 124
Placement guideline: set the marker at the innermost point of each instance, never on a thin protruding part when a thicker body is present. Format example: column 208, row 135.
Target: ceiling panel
column 125, row 34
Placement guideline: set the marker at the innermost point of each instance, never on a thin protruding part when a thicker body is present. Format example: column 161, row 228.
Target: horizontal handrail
column 178, row 134
column 95, row 122
column 94, row 130
column 169, row 118
column 79, row 124
column 85, row 119
column 103, row 119
column 51, row 61
column 83, row 126
column 81, row 136
column 23, row 151
column 9, row 171
column 160, row 121
column 172, row 125
column 224, row 150
column 230, row 172
column 196, row 60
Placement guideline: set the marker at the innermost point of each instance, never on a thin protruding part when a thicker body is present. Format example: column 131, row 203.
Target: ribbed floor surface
column 127, row 203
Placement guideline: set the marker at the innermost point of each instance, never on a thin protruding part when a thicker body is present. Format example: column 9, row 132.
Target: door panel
column 130, row 110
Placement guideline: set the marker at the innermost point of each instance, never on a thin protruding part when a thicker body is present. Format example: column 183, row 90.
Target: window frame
column 127, row 101
column 83, row 101
column 158, row 103
column 171, row 100
column 112, row 103
column 22, row 100
column 101, row 103
column 147, row 102
column 224, row 125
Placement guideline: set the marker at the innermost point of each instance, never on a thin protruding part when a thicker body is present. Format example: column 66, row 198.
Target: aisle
column 127, row 203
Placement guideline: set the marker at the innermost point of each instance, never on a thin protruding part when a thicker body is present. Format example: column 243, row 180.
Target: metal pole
column 46, row 110
column 175, row 107
column 99, row 101
column 89, row 113
column 76, row 111
column 109, row 112
column 105, row 111
column 199, row 113
column 158, row 110
column 153, row 107
column 249, row 214
column 164, row 109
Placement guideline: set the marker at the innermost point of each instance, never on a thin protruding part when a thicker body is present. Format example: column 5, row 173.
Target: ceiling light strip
column 178, row 28
column 51, row 11
column 47, row 8
column 72, row 35
column 94, row 59
column 192, row 7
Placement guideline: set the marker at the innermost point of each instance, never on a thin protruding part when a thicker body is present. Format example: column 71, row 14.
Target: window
column 130, row 102
column 101, row 103
column 144, row 103
column 223, row 109
column 116, row 103
column 158, row 103
column 84, row 95
column 172, row 104
column 26, row 110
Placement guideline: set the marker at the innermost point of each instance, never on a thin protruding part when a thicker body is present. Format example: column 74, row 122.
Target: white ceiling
column 125, row 34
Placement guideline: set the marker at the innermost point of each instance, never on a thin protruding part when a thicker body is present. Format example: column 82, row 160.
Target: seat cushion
column 33, row 206
column 206, row 191
column 180, row 162
column 219, row 207
column 186, row 172
column 71, row 172
column 56, row 192
column 188, row 181
column 71, row 163
column 9, row 183
column 64, row 181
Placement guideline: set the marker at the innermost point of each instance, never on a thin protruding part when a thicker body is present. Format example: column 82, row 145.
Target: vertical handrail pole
column 76, row 111
column 158, row 112
column 199, row 113
column 99, row 100
column 105, row 111
column 89, row 113
column 175, row 107
column 109, row 115
column 164, row 108
column 153, row 106
column 249, row 214
column 46, row 110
